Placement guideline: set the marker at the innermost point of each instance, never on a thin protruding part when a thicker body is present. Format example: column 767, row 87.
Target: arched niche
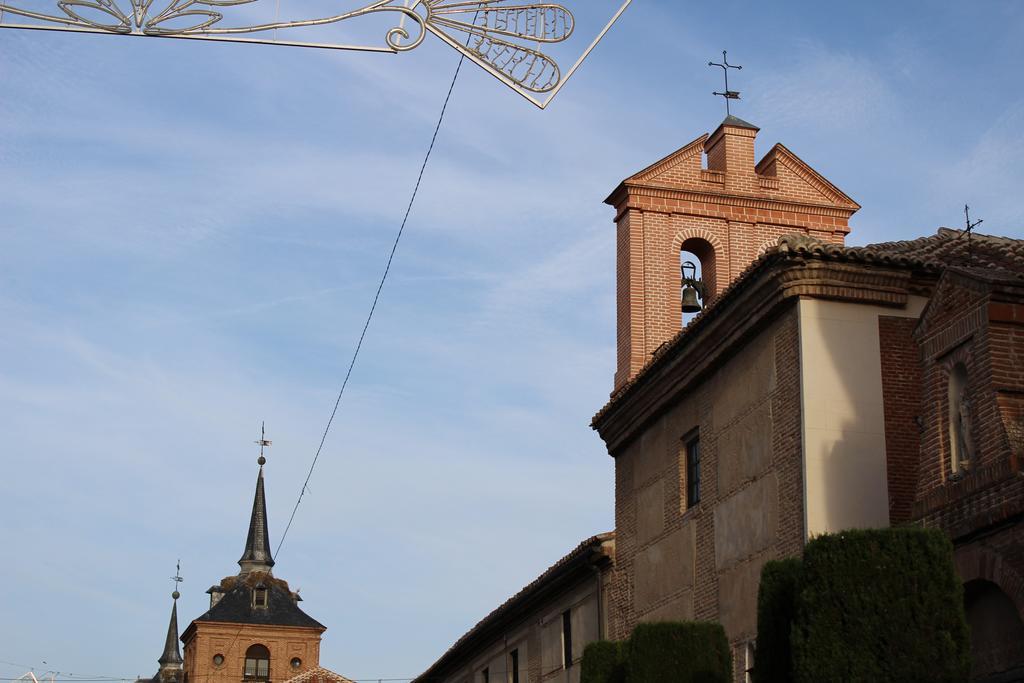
column 960, row 442
column 997, row 632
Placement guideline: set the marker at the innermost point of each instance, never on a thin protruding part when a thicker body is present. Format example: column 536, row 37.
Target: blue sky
column 192, row 234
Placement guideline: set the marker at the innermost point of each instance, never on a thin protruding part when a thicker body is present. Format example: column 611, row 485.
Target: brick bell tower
column 725, row 214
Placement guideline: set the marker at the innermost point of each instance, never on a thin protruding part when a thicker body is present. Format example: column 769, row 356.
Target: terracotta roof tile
column 318, row 675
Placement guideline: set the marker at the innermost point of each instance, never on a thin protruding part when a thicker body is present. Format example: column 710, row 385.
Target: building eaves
column 926, row 255
column 590, row 552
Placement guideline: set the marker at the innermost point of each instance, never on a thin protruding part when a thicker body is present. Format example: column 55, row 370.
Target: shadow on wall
column 846, row 480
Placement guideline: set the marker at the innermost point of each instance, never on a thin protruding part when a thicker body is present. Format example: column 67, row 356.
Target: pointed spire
column 171, row 659
column 256, row 557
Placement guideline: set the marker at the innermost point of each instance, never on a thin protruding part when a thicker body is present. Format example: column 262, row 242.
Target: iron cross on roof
column 263, row 442
column 728, row 94
column 968, row 231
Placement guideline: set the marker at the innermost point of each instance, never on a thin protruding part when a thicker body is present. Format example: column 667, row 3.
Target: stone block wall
column 704, row 562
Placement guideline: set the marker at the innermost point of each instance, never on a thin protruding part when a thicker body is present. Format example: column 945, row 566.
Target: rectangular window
column 566, row 639
column 259, row 597
column 257, row 668
column 692, row 471
column 485, row 675
column 514, row 665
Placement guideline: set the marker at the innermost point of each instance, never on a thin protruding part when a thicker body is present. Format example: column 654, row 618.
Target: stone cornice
column 741, row 312
column 193, row 628
column 623, row 200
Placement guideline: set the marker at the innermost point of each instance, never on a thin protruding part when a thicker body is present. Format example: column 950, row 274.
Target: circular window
column 218, row 660
column 296, row 662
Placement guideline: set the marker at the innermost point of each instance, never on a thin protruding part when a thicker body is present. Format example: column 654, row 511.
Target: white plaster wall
column 845, row 484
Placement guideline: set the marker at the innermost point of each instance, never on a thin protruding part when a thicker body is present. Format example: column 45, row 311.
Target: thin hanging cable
column 373, row 308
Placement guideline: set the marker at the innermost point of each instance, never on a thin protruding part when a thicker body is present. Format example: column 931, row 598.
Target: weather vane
column 177, row 579
column 263, row 442
column 728, row 94
column 507, row 38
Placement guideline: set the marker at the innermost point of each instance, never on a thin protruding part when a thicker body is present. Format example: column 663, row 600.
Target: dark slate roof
column 257, row 543
column 998, row 257
column 583, row 553
column 235, row 607
column 171, row 655
column 731, row 120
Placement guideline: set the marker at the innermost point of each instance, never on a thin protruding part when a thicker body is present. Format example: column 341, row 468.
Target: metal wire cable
column 376, row 299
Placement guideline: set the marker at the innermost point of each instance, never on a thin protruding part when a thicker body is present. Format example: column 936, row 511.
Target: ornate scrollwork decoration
column 505, row 37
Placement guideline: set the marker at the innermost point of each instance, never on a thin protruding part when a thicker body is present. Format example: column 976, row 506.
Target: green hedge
column 683, row 652
column 604, row 662
column 880, row 605
column 776, row 606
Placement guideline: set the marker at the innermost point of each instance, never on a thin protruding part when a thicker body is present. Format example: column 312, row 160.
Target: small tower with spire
column 254, row 628
column 171, row 664
column 257, row 557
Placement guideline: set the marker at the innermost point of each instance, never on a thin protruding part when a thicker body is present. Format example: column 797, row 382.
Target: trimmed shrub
column 679, row 652
column 604, row 661
column 880, row 605
column 776, row 608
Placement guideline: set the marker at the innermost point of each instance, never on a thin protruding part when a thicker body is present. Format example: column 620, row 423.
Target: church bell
column 690, row 302
column 692, row 288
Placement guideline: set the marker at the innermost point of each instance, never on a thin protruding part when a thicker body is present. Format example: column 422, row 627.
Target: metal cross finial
column 967, row 216
column 177, row 579
column 263, row 442
column 728, row 94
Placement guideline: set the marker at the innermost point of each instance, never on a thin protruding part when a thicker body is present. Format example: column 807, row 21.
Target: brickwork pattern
column 232, row 640
column 981, row 508
column 901, row 397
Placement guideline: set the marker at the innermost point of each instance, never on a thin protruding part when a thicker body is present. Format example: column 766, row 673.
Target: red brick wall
column 982, row 508
column 901, row 398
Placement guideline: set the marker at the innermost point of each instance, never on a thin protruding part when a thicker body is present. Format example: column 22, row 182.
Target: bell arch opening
column 696, row 263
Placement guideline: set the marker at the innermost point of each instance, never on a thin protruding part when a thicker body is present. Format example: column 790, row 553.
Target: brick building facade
column 823, row 387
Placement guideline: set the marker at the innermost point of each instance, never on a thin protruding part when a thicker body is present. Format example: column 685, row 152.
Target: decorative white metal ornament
column 504, row 37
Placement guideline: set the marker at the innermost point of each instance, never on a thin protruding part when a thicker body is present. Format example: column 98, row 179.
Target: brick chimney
column 725, row 214
column 730, row 150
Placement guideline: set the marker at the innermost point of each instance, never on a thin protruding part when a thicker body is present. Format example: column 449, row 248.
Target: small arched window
column 960, row 445
column 257, row 663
